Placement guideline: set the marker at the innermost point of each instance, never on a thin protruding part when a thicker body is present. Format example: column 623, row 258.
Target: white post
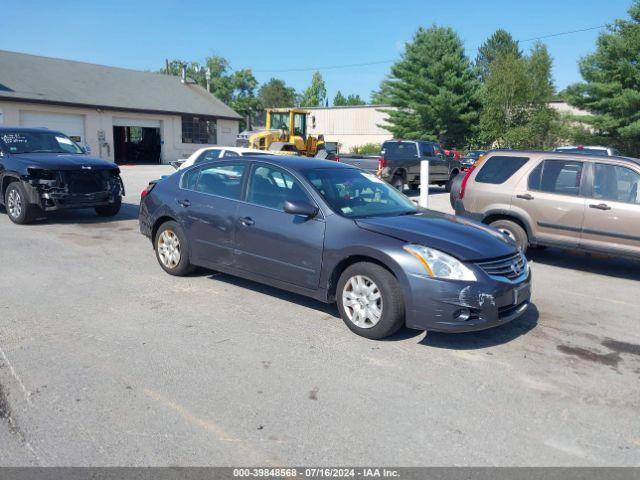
column 424, row 184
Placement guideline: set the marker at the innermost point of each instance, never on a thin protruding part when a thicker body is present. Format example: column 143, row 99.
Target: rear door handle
column 247, row 221
column 600, row 206
column 526, row 196
column 184, row 203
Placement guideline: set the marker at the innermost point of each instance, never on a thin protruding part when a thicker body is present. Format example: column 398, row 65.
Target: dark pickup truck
column 399, row 163
column 43, row 170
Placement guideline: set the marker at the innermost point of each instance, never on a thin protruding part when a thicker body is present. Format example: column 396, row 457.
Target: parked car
column 453, row 153
column 206, row 154
column 335, row 233
column 470, row 158
column 43, row 170
column 399, row 163
column 588, row 150
column 556, row 199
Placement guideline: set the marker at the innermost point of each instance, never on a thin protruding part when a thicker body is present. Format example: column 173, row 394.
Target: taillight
column 382, row 163
column 147, row 190
column 337, row 158
column 463, row 186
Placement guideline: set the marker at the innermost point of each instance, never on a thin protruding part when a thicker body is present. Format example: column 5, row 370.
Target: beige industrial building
column 351, row 126
column 126, row 116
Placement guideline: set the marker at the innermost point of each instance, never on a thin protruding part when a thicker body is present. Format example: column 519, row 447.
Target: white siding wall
column 349, row 126
column 96, row 120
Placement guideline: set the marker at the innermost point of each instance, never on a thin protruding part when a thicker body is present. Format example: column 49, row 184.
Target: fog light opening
column 462, row 315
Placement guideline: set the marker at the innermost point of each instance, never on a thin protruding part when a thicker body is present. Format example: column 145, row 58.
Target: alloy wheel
column 14, row 203
column 169, row 249
column 362, row 301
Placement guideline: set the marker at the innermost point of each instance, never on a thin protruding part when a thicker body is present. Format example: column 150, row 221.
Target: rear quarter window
column 499, row 169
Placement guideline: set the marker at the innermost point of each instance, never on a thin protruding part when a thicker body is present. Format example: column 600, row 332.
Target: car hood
column 464, row 239
column 63, row 161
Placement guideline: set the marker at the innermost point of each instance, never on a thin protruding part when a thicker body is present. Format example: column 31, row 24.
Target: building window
column 199, row 130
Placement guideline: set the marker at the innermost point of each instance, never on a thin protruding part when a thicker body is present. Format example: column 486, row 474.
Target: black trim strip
column 623, row 236
column 559, row 227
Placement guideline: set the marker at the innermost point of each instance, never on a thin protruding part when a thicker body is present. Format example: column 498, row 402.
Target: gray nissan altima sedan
column 337, row 234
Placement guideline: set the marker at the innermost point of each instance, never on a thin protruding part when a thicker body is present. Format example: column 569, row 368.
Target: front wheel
column 448, row 185
column 172, row 250
column 16, row 202
column 370, row 301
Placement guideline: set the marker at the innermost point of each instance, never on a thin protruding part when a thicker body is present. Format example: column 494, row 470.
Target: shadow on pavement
column 587, row 262
column 485, row 338
column 87, row 216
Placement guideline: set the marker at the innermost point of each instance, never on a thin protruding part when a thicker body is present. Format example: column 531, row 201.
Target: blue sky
column 141, row 34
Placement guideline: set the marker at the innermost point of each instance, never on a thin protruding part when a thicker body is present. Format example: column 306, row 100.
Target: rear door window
column 221, row 180
column 427, row 149
column 616, row 183
column 557, row 176
column 499, row 169
column 400, row 150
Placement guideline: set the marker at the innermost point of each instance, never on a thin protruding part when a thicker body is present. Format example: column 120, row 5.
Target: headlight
column 440, row 265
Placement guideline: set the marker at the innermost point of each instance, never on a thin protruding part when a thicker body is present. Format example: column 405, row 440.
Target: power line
column 381, row 62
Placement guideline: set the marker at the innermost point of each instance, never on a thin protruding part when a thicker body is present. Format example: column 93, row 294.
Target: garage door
column 135, row 122
column 70, row 125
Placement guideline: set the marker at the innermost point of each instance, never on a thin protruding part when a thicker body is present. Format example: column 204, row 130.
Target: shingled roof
column 51, row 80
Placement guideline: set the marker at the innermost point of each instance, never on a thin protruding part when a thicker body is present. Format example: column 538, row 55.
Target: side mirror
column 87, row 148
column 303, row 209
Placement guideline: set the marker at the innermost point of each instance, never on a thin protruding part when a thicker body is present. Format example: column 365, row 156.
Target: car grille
column 84, row 182
column 510, row 267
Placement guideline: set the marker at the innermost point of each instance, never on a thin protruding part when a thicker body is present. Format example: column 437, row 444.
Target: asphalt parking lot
column 107, row 360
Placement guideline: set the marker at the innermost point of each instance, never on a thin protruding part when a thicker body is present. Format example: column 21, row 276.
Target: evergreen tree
column 355, row 100
column 433, row 88
column 611, row 87
column 499, row 44
column 339, row 100
column 316, row 94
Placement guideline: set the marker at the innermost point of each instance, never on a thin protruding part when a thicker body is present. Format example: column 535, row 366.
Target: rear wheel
column 16, row 202
column 172, row 250
column 398, row 183
column 110, row 210
column 513, row 231
column 370, row 300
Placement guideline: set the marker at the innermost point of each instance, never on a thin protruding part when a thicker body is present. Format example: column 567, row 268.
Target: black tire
column 398, row 183
column 110, row 210
column 392, row 304
column 16, row 203
column 182, row 266
column 515, row 231
column 414, row 185
column 447, row 186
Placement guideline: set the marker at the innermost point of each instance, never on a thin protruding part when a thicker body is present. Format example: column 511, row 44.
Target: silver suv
column 556, row 199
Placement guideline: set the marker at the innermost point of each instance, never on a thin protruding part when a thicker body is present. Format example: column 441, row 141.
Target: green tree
column 515, row 100
column 339, row 100
column 611, row 87
column 499, row 44
column 433, row 88
column 275, row 93
column 355, row 100
column 316, row 94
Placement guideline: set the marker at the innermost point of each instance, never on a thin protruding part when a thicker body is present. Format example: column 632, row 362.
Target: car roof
column 299, row 163
column 566, row 155
column 27, row 129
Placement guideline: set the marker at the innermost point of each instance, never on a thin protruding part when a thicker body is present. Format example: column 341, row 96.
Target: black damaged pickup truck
column 43, row 170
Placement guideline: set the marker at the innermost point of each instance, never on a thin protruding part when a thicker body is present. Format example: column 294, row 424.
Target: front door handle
column 526, row 196
column 600, row 206
column 184, row 203
column 247, row 221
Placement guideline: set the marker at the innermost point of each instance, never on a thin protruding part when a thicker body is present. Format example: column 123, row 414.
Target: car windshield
column 353, row 193
column 37, row 142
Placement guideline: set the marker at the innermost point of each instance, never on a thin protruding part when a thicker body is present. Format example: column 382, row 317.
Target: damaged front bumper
column 449, row 306
column 71, row 189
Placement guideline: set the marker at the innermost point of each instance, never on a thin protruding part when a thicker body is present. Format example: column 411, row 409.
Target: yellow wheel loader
column 285, row 134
